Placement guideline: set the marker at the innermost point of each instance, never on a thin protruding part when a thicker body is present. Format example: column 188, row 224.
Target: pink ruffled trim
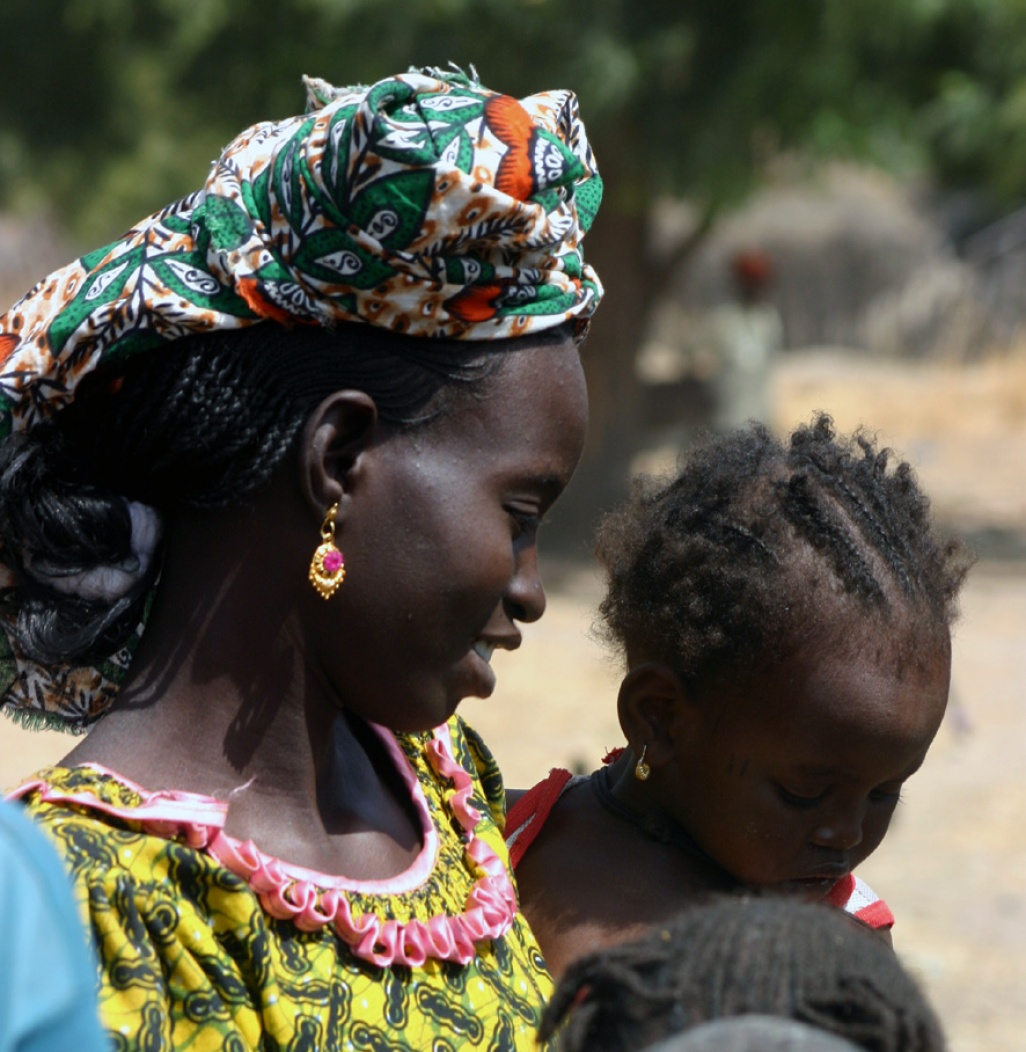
column 166, row 813
column 311, row 899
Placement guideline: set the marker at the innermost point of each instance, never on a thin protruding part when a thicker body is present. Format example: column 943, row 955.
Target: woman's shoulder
column 107, row 829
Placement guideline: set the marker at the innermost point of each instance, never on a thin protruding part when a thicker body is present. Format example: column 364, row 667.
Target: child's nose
column 841, row 831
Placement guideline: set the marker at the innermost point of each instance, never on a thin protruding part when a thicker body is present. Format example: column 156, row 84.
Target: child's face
column 792, row 781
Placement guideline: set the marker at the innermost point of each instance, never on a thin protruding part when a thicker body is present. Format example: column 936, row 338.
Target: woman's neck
column 222, row 701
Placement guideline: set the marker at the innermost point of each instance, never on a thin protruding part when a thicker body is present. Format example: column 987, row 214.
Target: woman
column 360, row 336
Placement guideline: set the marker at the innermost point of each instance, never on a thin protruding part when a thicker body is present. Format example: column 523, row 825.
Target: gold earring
column 642, row 769
column 327, row 567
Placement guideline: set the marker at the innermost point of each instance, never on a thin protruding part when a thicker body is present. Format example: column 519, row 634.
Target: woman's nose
column 525, row 596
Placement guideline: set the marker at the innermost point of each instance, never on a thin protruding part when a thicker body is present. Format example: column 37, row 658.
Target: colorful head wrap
column 426, row 204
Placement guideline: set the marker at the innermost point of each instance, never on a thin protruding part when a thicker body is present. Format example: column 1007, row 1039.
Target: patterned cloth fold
column 425, row 203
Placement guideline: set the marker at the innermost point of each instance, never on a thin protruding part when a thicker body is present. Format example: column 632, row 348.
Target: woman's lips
column 484, row 651
column 480, row 658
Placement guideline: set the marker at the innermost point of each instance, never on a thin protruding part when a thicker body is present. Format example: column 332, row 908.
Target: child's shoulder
column 527, row 811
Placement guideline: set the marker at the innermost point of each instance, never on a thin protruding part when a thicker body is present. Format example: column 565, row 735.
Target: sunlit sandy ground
column 954, row 866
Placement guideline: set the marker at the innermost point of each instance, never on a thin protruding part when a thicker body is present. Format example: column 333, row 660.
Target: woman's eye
column 526, row 521
column 799, row 800
column 886, row 795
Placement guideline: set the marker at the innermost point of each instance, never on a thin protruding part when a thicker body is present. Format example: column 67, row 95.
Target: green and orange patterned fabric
column 425, row 203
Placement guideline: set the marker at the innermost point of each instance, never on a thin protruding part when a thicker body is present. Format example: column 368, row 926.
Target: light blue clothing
column 48, row 979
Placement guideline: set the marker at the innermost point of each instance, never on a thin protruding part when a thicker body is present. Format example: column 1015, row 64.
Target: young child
column 784, row 614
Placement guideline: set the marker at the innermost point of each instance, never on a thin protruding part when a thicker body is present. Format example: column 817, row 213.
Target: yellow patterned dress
column 206, row 943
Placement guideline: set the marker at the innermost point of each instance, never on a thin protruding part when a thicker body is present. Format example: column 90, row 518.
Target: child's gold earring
column 327, row 567
column 642, row 769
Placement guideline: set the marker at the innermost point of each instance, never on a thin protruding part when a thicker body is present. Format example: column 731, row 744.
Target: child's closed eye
column 800, row 800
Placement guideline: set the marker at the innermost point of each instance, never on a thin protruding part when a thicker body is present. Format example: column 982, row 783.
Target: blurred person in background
column 741, row 339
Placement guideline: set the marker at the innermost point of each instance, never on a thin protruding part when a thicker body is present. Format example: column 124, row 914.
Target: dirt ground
column 954, row 866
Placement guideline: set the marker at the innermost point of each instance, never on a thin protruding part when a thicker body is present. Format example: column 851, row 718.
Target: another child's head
column 740, row 956
column 785, row 612
column 754, row 1033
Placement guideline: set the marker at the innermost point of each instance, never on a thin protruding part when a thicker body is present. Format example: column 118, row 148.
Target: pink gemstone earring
column 327, row 567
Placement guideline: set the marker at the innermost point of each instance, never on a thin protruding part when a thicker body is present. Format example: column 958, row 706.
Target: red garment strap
column 839, row 894
column 876, row 915
column 874, row 911
column 526, row 817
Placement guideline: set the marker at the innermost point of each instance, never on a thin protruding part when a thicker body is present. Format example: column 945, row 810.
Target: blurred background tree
column 111, row 108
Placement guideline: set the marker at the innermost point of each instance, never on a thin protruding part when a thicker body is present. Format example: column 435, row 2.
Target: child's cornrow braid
column 750, row 540
column 864, row 489
column 734, row 957
column 811, row 516
column 703, row 570
column 865, row 501
column 867, row 510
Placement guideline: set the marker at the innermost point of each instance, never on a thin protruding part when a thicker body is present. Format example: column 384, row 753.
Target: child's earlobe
column 649, row 706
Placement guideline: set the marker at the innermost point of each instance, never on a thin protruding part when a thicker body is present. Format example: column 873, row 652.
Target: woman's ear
column 336, row 433
column 652, row 705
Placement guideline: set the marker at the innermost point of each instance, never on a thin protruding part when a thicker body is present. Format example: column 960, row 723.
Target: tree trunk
column 616, row 247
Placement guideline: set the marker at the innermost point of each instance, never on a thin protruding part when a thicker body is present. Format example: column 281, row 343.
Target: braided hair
column 201, row 422
column 731, row 956
column 727, row 561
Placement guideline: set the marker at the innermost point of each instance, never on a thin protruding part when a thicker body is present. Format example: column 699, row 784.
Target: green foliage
column 113, row 107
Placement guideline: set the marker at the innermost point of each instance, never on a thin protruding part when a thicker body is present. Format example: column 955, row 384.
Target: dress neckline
column 312, row 899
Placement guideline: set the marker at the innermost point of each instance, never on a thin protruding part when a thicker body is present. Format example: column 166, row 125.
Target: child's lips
column 817, row 885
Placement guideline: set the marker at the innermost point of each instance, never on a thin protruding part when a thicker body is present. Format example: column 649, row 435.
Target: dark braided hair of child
column 727, row 563
column 200, row 423
column 733, row 956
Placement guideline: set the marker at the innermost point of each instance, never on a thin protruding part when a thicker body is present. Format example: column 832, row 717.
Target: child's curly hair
column 717, row 567
column 733, row 956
